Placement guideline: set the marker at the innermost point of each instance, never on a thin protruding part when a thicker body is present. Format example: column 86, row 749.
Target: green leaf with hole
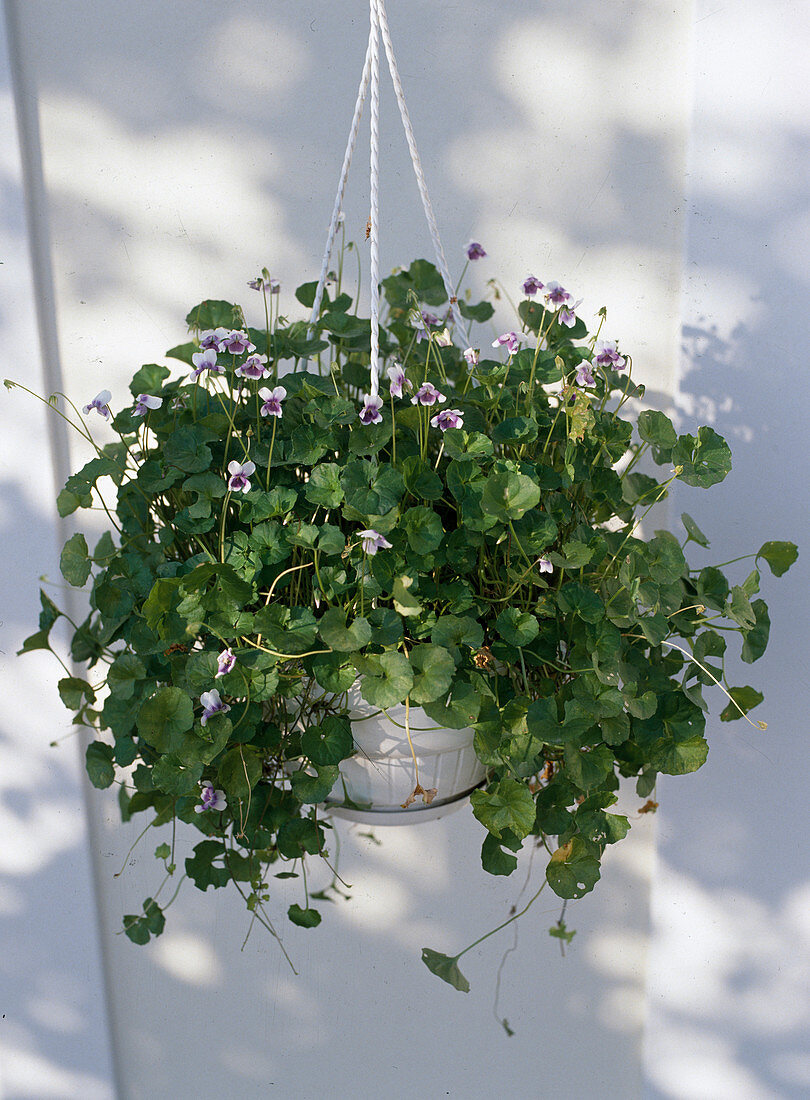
column 572, row 870
column 172, row 776
column 600, row 827
column 201, row 868
column 643, row 706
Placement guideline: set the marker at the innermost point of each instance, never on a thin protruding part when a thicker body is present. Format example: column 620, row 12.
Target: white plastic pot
column 381, row 775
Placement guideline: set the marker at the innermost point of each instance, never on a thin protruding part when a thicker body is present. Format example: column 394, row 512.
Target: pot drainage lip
column 395, row 815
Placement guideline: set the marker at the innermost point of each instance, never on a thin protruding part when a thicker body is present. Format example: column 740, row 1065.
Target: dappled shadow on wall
column 363, row 1012
column 730, row 949
column 53, row 1029
column 153, row 209
column 729, row 981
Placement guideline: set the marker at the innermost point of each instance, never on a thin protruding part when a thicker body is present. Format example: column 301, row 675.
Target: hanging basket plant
column 286, row 550
column 373, row 566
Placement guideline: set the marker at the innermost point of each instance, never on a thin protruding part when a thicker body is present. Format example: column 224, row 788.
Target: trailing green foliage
column 512, row 591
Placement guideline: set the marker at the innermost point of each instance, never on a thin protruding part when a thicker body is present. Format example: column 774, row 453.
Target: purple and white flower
column 370, row 412
column 225, row 662
column 472, row 355
column 422, row 323
column 443, row 338
column 275, row 286
column 212, row 704
column 475, row 251
column 510, row 339
column 213, row 338
column 448, row 418
column 427, row 394
column 272, row 400
column 372, row 541
column 239, row 481
column 545, row 566
column 144, row 402
column 568, row 314
column 584, row 376
column 606, row 356
column 255, row 366
column 210, row 799
column 398, row 380
column 237, row 342
column 101, row 404
column 531, row 286
column 257, row 283
column 205, row 360
column 556, row 295
column 178, row 402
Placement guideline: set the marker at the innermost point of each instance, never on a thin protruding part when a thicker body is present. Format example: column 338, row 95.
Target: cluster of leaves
column 518, row 596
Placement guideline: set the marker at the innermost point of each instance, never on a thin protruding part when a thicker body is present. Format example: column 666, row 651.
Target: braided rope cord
column 341, row 191
column 441, row 262
column 374, row 188
column 378, row 21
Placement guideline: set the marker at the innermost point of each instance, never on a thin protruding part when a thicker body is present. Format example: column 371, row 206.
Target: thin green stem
column 510, row 920
column 270, row 454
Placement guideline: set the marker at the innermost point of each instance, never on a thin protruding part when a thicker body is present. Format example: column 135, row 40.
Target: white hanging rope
column 371, row 77
column 341, row 191
column 441, row 262
column 374, row 189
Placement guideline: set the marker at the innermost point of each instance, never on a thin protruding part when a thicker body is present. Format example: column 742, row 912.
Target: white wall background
column 182, row 149
column 729, row 977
